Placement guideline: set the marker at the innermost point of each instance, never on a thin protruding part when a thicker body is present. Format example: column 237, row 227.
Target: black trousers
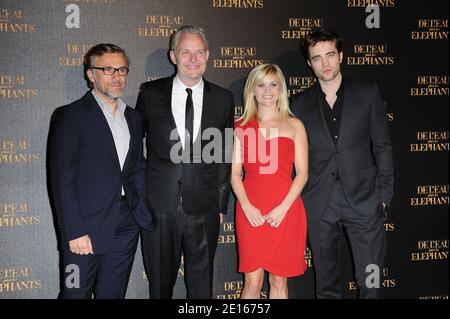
column 367, row 240
column 105, row 275
column 193, row 235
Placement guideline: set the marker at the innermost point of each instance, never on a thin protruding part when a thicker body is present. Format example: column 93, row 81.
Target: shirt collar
column 177, row 84
column 106, row 108
column 339, row 91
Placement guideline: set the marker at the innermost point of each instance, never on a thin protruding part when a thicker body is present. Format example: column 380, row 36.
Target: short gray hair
column 187, row 29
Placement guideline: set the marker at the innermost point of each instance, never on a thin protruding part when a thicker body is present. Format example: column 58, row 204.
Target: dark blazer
column 362, row 155
column 85, row 173
column 204, row 186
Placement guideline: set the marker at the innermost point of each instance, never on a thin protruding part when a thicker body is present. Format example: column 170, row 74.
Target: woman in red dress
column 270, row 217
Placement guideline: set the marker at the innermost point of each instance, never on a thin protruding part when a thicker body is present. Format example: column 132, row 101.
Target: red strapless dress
column 281, row 250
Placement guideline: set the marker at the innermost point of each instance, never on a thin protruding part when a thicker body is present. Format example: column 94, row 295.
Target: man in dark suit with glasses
column 97, row 182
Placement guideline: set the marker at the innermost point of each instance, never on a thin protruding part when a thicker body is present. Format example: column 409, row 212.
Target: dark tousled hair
column 319, row 35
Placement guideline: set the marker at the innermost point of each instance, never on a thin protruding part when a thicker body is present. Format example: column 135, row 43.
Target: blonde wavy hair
column 256, row 77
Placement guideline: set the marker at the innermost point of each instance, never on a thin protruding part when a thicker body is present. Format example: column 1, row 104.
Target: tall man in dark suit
column 350, row 179
column 97, row 174
column 188, row 188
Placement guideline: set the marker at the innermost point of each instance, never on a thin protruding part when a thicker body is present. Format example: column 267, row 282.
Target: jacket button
column 333, row 174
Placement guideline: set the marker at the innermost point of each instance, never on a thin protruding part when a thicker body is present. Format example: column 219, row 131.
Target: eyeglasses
column 109, row 70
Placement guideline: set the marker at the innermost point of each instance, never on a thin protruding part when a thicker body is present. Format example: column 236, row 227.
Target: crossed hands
column 256, row 219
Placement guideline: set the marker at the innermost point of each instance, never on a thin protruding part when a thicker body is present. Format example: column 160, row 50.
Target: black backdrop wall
column 403, row 46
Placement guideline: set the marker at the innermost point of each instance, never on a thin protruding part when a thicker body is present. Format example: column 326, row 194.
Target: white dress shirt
column 179, row 96
column 119, row 128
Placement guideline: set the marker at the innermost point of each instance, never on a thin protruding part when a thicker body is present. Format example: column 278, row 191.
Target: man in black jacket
column 350, row 180
column 183, row 115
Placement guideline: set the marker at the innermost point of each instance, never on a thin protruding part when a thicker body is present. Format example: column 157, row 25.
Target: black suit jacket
column 362, row 155
column 204, row 187
column 86, row 179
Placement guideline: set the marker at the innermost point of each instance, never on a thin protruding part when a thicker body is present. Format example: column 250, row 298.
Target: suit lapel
column 102, row 127
column 132, row 131
column 346, row 110
column 168, row 102
column 207, row 101
column 167, row 105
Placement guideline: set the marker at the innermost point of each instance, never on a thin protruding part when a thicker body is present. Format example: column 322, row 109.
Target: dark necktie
column 189, row 119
